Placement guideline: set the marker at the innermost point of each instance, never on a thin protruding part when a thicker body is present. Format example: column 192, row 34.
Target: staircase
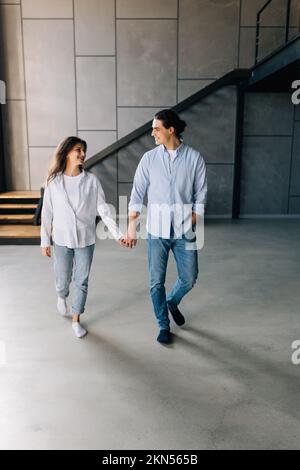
column 17, row 210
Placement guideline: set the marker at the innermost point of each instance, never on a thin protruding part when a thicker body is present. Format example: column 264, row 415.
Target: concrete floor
column 227, row 381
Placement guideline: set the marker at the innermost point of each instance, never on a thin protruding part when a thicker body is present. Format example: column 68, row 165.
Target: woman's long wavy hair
column 59, row 162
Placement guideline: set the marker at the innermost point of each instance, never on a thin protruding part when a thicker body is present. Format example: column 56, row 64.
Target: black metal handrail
column 288, row 13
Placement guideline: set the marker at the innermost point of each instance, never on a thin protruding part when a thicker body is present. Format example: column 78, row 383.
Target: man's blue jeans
column 187, row 269
column 64, row 258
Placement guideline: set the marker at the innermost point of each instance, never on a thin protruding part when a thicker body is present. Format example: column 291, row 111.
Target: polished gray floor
column 226, row 382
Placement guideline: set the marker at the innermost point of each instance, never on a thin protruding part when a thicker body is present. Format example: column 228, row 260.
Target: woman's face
column 77, row 155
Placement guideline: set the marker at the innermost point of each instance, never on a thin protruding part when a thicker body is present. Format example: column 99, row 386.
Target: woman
column 72, row 200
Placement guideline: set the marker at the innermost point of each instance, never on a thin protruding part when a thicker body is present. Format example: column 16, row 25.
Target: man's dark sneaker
column 164, row 336
column 177, row 316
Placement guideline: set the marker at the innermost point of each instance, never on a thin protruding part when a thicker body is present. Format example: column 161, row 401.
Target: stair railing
column 258, row 25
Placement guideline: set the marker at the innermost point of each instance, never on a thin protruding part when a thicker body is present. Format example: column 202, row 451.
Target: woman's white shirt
column 70, row 209
column 72, row 189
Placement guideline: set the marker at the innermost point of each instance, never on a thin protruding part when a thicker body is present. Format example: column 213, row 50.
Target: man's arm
column 130, row 237
column 200, row 191
column 139, row 189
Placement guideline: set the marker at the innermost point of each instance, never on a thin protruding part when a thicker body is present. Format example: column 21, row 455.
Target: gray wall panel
column 130, row 119
column 187, row 88
column 247, row 47
column 146, row 54
column 204, row 29
column 146, row 9
column 129, row 157
column 96, row 93
column 97, row 140
column 269, row 40
column 295, row 13
column 265, row 175
column 95, row 27
column 268, row 114
column 47, row 9
column 40, row 160
column 106, row 171
column 50, row 83
column 219, row 183
column 211, row 126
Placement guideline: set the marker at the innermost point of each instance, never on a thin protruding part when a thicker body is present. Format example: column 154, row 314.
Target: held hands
column 46, row 251
column 127, row 242
column 129, row 239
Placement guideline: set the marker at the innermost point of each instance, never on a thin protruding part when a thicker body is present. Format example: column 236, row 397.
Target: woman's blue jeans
column 187, row 269
column 65, row 259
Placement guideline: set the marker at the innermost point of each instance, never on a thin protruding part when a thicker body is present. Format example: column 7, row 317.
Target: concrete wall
column 100, row 68
column 271, row 148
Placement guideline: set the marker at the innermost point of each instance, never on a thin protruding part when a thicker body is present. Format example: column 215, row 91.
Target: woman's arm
column 46, row 222
column 105, row 213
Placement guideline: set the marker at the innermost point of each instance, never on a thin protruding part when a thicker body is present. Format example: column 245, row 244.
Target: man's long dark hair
column 60, row 156
column 171, row 119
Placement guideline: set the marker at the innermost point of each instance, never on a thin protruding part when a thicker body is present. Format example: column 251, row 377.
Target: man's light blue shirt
column 175, row 188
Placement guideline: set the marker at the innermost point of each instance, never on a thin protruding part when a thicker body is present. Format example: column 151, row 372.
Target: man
column 174, row 177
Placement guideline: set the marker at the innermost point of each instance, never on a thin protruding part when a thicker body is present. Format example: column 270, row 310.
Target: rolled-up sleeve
column 200, row 188
column 140, row 186
column 46, row 218
column 104, row 211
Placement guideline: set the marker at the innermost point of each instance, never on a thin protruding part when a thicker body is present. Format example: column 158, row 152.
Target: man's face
column 160, row 133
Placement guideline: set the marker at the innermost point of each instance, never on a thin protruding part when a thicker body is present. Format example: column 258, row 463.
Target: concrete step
column 16, row 219
column 20, row 197
column 19, row 235
column 12, row 209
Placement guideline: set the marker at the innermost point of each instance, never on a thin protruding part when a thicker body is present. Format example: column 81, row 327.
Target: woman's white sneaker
column 62, row 306
column 79, row 331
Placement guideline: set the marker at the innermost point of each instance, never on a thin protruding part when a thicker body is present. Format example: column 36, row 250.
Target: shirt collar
column 178, row 150
column 61, row 174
